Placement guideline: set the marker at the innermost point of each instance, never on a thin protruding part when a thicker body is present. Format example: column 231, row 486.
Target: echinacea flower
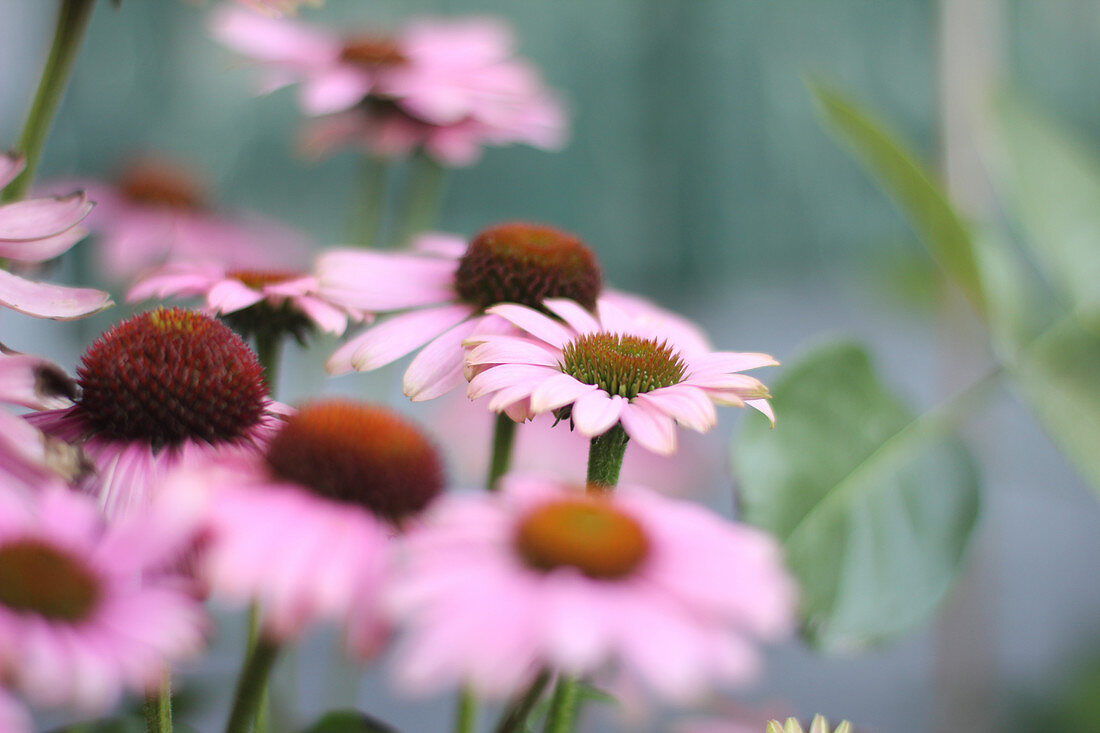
column 447, row 86
column 497, row 586
column 164, row 389
column 82, row 618
column 36, row 230
column 159, row 210
column 304, row 527
column 819, row 725
column 608, row 369
column 250, row 300
column 445, row 289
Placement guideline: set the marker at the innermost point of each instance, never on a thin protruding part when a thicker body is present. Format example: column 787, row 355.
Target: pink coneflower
column 36, row 230
column 164, row 389
column 81, row 618
column 445, row 290
column 250, row 299
column 447, row 86
column 159, row 210
column 303, row 527
column 612, row 368
column 498, row 586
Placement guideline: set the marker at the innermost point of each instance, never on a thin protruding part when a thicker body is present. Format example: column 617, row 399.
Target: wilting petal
column 39, row 218
column 42, row 300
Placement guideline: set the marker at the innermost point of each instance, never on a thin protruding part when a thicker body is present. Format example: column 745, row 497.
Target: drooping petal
column 43, row 300
column 39, row 250
column 652, row 429
column 376, row 281
column 396, row 337
column 513, row 350
column 505, row 376
column 731, row 361
column 764, row 407
column 594, row 413
column 558, row 391
column 334, row 90
column 229, row 296
column 437, row 369
column 45, row 217
column 689, row 406
column 574, row 314
column 535, row 323
column 10, row 166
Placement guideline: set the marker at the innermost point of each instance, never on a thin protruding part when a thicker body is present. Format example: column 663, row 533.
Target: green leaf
column 873, row 508
column 913, row 190
column 348, row 721
column 1052, row 180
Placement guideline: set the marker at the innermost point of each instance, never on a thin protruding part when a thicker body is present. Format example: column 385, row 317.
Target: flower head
column 164, row 387
column 81, row 616
column 665, row 590
column 450, row 283
column 333, row 484
column 819, row 725
column 612, row 368
column 250, row 300
column 448, row 87
column 36, row 230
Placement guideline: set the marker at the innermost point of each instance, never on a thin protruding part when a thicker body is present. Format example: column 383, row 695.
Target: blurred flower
column 447, row 86
column 164, row 389
column 575, row 580
column 303, row 528
column 277, row 7
column 36, row 230
column 249, row 300
column 81, row 618
column 819, row 725
column 445, row 289
column 158, row 210
column 609, row 369
column 14, row 717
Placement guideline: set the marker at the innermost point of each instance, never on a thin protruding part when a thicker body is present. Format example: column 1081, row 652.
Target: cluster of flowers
column 165, row 474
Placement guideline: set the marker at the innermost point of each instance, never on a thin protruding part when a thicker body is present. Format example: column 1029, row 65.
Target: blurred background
column 699, row 171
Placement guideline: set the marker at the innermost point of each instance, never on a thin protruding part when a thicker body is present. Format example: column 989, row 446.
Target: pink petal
column 39, row 250
column 731, row 361
column 376, row 281
column 335, row 90
column 269, row 39
column 689, row 406
column 535, row 323
column 42, row 300
column 229, row 296
column 653, row 430
column 512, row 350
column 177, row 279
column 438, row 243
column 397, row 336
column 594, row 413
column 38, row 218
column 763, row 406
column 10, row 166
column 742, row 384
column 574, row 314
column 328, row 318
column 505, row 376
column 558, row 391
column 437, row 369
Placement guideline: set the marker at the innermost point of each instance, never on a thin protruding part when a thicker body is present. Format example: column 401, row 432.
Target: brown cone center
column 38, row 578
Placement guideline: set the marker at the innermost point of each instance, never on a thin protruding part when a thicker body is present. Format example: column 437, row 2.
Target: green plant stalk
column 158, row 710
column 370, row 204
column 268, row 348
column 504, row 437
column 563, row 706
column 514, row 718
column 605, row 457
column 423, row 197
column 252, row 686
column 466, row 712
column 72, row 21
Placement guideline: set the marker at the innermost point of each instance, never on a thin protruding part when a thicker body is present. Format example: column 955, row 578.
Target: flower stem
column 251, row 686
column 422, row 197
column 268, row 345
column 259, row 725
column 515, row 715
column 158, row 710
column 466, row 713
column 563, row 706
column 605, row 457
column 367, row 209
column 72, row 20
column 504, row 437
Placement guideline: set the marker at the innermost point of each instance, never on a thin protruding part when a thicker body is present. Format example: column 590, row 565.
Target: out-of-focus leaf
column 1052, row 180
column 911, row 187
column 874, row 508
column 348, row 721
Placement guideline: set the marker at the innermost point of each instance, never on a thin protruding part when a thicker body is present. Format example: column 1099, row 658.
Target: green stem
column 72, row 20
column 259, row 724
column 514, row 719
column 563, row 706
column 422, row 197
column 504, row 437
column 268, row 345
column 158, row 710
column 605, row 457
column 466, row 714
column 370, row 204
column 251, row 686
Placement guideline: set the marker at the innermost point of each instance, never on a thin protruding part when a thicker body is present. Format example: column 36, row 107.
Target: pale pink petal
column 328, row 318
column 34, row 383
column 38, row 250
column 558, row 391
column 438, row 243
column 229, row 296
column 437, row 369
column 763, row 406
column 535, row 323
column 504, row 376
column 652, row 429
column 742, row 384
column 376, row 281
column 514, row 401
column 397, row 336
column 42, row 300
column 689, row 406
column 270, row 39
column 38, row 218
column 10, row 166
column 511, row 350
column 594, row 413
column 334, row 90
column 176, row 279
column 574, row 314
column 731, row 361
